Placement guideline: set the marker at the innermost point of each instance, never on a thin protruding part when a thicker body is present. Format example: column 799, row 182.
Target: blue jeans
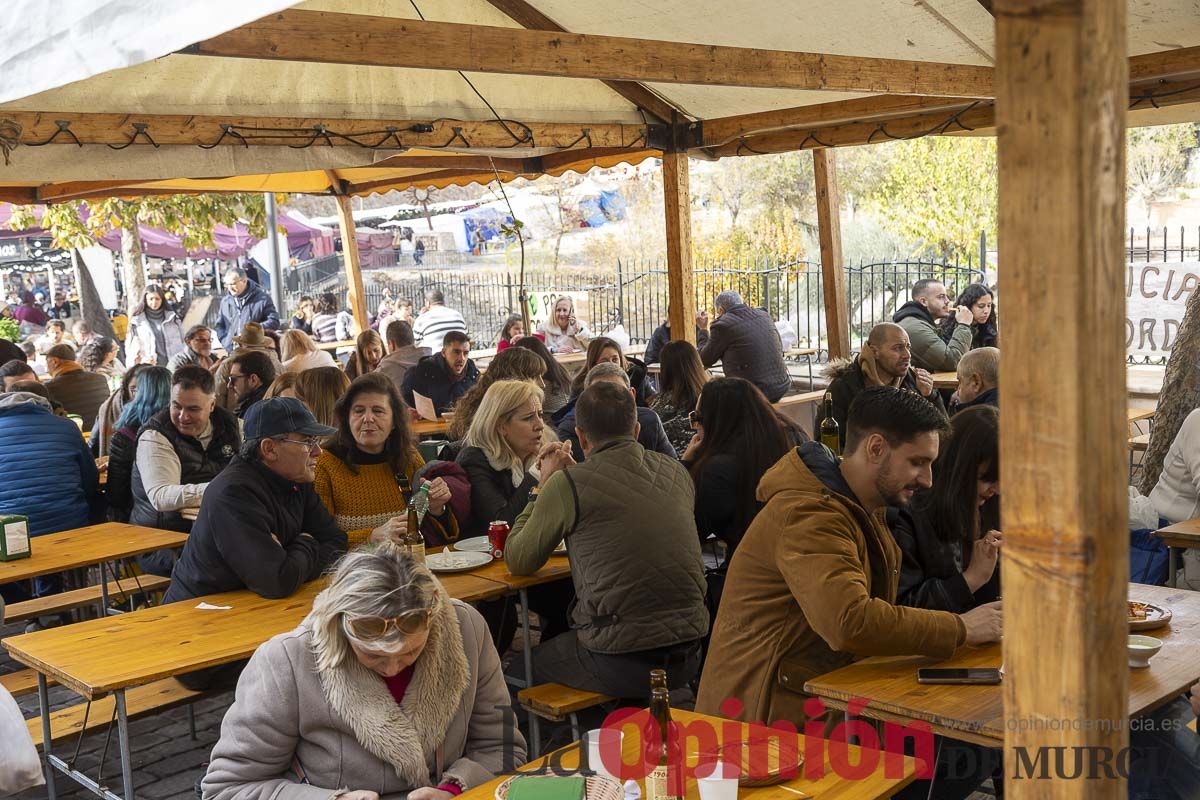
column 1164, row 759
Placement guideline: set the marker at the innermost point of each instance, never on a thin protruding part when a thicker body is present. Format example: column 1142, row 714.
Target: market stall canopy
column 357, row 96
column 229, row 243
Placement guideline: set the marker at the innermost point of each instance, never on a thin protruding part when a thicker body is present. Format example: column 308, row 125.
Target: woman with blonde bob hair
column 502, row 445
column 388, row 683
column 299, row 352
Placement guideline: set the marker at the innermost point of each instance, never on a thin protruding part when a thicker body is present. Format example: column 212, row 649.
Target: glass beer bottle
column 663, row 783
column 830, row 435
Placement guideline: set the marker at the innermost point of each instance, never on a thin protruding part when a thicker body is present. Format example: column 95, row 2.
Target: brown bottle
column 658, row 679
column 658, row 783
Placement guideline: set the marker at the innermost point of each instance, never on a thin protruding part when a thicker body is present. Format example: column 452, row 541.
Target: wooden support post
column 1061, row 77
column 358, row 298
column 681, row 313
column 833, row 276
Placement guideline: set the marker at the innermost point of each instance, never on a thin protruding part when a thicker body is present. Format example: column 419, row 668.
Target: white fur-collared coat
column 343, row 729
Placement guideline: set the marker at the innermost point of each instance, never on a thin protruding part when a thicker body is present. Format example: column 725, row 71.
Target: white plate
column 476, row 544
column 456, row 561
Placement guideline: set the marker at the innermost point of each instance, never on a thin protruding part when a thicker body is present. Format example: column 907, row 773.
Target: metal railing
column 635, row 296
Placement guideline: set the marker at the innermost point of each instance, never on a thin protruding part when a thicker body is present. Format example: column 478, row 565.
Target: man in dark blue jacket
column 443, row 377
column 246, row 302
column 47, row 472
column 261, row 525
column 650, row 431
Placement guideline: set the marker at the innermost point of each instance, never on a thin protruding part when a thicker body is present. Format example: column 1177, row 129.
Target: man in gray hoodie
column 403, row 353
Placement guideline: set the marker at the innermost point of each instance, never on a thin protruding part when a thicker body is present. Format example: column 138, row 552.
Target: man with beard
column 922, row 318
column 885, row 360
column 198, row 351
column 814, row 583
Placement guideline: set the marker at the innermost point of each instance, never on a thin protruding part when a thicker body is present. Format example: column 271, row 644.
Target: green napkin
column 546, row 788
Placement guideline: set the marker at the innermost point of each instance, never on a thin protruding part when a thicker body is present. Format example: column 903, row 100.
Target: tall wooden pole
column 677, row 205
column 833, row 276
column 358, row 298
column 1061, row 95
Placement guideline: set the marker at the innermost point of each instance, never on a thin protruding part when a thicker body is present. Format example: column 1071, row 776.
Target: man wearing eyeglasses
column 246, row 301
column 198, row 351
column 261, row 526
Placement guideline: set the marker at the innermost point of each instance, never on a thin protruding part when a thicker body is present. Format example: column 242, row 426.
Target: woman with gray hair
column 389, row 686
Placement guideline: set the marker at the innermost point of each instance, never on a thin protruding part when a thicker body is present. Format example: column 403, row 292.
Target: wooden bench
column 139, row 700
column 556, row 702
column 1139, row 443
column 118, row 591
column 22, row 682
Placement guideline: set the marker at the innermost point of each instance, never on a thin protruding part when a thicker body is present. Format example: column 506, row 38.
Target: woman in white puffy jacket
column 155, row 333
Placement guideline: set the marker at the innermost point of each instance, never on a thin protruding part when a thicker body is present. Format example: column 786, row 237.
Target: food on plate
column 1138, row 611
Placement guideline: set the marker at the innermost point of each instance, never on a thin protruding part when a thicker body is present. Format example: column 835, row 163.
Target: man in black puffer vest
column 179, row 450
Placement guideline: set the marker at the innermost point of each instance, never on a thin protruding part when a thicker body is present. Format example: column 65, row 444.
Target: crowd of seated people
column 891, row 548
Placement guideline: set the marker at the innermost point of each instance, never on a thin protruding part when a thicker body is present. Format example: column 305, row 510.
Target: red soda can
column 497, row 534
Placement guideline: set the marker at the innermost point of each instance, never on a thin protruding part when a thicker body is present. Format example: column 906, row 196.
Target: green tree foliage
column 191, row 217
column 940, row 192
column 1156, row 161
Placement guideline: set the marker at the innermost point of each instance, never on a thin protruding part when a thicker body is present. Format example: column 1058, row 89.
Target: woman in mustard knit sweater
column 366, row 475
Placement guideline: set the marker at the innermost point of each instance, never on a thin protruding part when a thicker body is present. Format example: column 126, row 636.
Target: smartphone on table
column 972, row 675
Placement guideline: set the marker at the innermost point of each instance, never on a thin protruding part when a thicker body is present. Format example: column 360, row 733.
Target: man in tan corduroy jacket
column 813, row 583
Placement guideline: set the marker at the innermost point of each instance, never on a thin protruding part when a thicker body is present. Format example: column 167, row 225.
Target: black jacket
column 652, row 436
column 662, row 335
column 197, row 464
column 252, row 305
column 718, row 499
column 244, row 403
column 493, row 495
column 991, row 397
column 122, row 451
column 745, row 341
column 431, row 377
column 10, row 352
column 931, row 570
column 847, row 380
column 256, row 531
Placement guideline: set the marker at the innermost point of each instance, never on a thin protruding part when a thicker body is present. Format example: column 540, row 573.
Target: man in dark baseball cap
column 261, row 526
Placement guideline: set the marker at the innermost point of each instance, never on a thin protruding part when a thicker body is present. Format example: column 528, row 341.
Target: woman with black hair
column 738, row 436
column 985, row 333
column 679, row 385
column 950, row 548
column 557, row 380
column 155, row 333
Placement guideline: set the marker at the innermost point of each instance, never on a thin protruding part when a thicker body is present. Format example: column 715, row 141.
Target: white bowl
column 1142, row 649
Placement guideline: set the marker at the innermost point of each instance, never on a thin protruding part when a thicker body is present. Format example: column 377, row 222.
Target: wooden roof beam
column 647, row 100
column 722, row 130
column 167, row 129
column 323, row 37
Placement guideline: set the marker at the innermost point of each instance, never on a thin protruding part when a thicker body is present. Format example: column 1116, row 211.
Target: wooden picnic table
column 976, row 713
column 116, row 654
column 103, row 655
column 880, row 782
column 337, row 345
column 795, row 352
column 430, row 427
column 1140, row 414
column 1180, row 536
column 84, row 547
column 945, row 380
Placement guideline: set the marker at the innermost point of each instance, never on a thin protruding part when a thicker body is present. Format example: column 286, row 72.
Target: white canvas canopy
column 121, row 59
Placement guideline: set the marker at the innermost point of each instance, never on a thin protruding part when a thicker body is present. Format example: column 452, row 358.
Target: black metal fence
column 635, row 296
